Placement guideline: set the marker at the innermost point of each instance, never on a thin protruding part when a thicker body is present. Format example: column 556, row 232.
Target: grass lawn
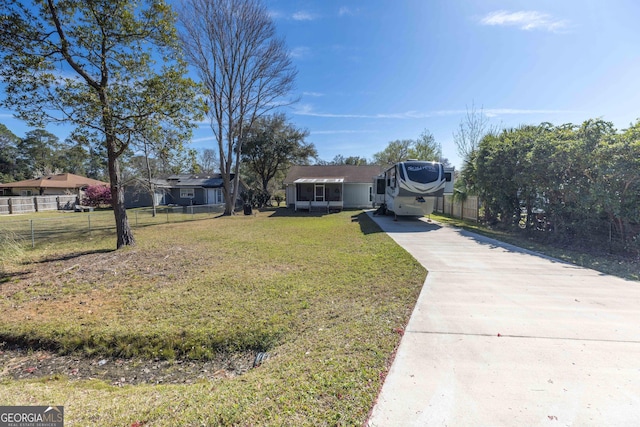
column 323, row 295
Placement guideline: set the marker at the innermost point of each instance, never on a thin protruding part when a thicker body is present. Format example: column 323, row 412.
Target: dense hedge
column 572, row 182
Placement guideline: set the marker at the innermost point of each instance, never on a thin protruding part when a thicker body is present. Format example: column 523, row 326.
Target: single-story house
column 330, row 187
column 52, row 185
column 182, row 189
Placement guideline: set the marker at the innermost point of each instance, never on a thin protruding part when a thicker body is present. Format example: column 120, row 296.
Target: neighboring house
column 331, row 187
column 52, row 185
column 183, row 190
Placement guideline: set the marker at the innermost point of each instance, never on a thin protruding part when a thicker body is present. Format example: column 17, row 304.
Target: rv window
column 423, row 172
column 380, row 186
column 447, row 176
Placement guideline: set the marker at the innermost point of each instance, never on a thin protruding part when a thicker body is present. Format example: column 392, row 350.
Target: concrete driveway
column 501, row 336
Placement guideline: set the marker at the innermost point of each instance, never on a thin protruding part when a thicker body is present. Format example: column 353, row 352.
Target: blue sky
column 374, row 71
column 370, row 72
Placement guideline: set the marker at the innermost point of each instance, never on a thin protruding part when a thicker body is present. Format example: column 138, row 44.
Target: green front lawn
column 325, row 296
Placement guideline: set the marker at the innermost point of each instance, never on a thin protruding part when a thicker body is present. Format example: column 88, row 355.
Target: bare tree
column 208, row 160
column 245, row 68
column 472, row 128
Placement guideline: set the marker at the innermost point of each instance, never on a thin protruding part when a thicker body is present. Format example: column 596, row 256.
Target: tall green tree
column 109, row 67
column 425, row 147
column 395, row 151
column 339, row 159
column 74, row 157
column 40, row 153
column 271, row 145
column 9, row 170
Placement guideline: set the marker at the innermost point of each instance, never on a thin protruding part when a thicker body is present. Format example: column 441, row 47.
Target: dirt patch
column 20, row 364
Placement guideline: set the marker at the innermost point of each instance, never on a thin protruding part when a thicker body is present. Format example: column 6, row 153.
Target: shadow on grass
column 367, row 225
column 292, row 213
column 7, row 277
column 73, row 255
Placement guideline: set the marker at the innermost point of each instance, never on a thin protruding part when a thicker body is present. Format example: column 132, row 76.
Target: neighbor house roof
column 349, row 173
column 63, row 180
column 204, row 181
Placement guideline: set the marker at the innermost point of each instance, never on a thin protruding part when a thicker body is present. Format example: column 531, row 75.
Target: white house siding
column 356, row 196
column 291, row 195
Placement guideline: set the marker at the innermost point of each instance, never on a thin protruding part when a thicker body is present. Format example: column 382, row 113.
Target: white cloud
column 493, row 112
column 300, row 52
column 307, row 110
column 343, row 131
column 314, row 94
column 303, row 16
column 204, row 139
column 274, row 14
column 525, row 20
column 347, row 11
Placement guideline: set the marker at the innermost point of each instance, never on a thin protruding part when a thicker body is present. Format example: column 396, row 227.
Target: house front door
column 319, row 192
column 214, row 196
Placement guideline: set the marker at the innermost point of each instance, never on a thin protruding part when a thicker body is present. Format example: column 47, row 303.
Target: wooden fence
column 18, row 205
column 468, row 210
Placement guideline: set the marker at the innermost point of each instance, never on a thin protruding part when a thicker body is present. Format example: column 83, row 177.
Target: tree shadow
column 7, row 277
column 72, row 255
column 285, row 212
column 367, row 225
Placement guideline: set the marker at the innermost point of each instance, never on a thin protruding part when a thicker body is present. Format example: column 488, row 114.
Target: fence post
column 136, row 218
column 167, row 210
column 89, row 218
column 35, row 203
column 10, row 205
column 33, row 237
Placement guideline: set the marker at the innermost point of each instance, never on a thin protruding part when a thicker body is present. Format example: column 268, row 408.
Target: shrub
column 97, row 195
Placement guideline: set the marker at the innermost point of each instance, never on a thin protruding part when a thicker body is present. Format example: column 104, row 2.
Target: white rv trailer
column 411, row 188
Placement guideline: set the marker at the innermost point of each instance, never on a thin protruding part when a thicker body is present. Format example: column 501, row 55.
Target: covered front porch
column 319, row 194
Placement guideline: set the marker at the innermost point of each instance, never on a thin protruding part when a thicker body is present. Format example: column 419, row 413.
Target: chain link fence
column 36, row 230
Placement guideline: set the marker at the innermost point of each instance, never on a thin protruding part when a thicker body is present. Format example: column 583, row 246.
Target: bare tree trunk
column 150, row 186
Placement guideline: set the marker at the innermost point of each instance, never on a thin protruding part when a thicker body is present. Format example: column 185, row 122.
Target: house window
column 187, row 193
column 26, row 193
column 371, row 194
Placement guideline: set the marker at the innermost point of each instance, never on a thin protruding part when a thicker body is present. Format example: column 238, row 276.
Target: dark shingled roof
column 351, row 174
column 205, row 181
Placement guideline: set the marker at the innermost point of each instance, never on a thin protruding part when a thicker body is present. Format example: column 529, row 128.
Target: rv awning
column 319, row 181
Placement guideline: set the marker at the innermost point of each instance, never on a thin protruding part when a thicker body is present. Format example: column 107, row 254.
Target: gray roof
column 350, row 173
column 204, row 181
